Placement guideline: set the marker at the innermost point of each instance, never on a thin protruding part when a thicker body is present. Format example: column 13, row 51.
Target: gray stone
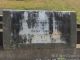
column 66, row 27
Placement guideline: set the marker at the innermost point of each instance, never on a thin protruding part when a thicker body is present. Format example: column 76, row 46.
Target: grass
column 60, row 5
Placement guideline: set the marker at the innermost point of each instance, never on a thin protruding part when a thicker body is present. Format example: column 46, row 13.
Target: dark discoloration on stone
column 50, row 17
column 64, row 25
column 32, row 19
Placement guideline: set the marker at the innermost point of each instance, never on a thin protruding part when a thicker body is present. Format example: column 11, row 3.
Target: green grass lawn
column 59, row 5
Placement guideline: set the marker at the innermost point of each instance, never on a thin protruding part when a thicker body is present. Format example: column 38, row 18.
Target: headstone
column 39, row 28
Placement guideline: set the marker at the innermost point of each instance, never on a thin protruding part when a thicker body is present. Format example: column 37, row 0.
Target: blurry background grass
column 61, row 5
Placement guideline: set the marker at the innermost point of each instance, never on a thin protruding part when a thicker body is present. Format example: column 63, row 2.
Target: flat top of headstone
column 35, row 10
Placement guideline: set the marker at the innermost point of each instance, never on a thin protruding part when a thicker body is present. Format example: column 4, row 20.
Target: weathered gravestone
column 39, row 29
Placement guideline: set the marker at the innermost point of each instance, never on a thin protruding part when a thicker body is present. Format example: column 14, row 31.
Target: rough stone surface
column 68, row 17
